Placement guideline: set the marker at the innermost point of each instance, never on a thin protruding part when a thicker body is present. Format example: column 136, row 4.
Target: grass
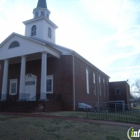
column 75, row 114
column 27, row 128
column 132, row 116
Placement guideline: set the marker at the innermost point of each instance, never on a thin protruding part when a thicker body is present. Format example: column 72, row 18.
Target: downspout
column 73, row 83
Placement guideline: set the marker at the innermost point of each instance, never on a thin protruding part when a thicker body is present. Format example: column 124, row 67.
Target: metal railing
column 129, row 116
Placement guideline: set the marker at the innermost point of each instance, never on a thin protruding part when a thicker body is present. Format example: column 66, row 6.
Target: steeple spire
column 41, row 9
column 42, row 4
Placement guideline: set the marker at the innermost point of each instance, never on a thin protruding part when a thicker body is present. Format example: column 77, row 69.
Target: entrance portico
column 22, row 86
column 21, row 51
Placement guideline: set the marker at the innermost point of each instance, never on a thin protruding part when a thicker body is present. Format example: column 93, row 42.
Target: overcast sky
column 105, row 32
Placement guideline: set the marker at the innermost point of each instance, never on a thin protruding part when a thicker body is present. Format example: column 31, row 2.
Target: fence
column 114, row 112
column 125, row 116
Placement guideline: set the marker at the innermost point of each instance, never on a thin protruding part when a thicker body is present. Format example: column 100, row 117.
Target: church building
column 33, row 68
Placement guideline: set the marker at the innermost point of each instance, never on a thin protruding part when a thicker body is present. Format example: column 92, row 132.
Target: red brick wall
column 80, row 84
column 62, row 70
column 1, row 75
column 124, row 91
column 66, row 83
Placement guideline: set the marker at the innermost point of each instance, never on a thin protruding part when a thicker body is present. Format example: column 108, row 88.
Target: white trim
column 5, row 79
column 43, row 76
column 49, row 77
column 22, row 77
column 13, row 81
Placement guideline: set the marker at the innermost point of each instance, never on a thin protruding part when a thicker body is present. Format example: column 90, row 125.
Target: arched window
column 100, row 90
column 33, row 30
column 14, row 44
column 87, row 80
column 49, row 32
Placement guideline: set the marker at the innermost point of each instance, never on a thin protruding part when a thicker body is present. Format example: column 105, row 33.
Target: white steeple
column 41, row 26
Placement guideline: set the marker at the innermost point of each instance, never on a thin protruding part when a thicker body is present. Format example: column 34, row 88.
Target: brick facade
column 80, row 84
column 69, row 82
column 124, row 93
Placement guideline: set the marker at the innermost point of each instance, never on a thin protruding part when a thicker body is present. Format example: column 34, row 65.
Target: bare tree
column 135, row 87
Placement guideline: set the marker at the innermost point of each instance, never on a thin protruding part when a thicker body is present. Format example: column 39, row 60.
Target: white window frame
column 87, row 80
column 50, row 77
column 10, row 90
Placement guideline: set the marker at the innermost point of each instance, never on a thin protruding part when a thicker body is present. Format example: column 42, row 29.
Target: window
column 104, row 87
column 33, row 30
column 117, row 91
column 107, row 88
column 14, row 44
column 100, row 86
column 36, row 14
column 49, row 83
column 94, row 83
column 42, row 13
column 28, row 83
column 13, row 87
column 49, row 32
column 87, row 80
column 47, row 15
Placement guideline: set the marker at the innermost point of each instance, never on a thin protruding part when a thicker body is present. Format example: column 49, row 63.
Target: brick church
column 33, row 68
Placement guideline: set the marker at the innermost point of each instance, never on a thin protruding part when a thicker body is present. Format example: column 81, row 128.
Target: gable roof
column 27, row 46
column 58, row 48
column 67, row 51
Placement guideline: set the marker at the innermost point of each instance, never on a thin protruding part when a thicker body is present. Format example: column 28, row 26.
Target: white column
column 43, row 76
column 5, row 80
column 22, row 77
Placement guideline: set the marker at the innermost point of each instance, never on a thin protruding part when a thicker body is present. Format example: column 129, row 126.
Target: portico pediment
column 30, row 75
column 17, row 45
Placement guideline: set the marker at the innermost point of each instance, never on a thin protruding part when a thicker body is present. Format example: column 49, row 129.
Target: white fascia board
column 63, row 50
column 88, row 63
column 15, row 34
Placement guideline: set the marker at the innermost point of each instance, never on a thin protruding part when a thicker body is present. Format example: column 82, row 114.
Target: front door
column 30, row 87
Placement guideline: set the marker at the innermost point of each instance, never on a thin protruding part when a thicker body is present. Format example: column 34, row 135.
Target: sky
column 105, row 32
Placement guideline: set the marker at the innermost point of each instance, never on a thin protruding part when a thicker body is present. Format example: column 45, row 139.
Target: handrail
column 32, row 98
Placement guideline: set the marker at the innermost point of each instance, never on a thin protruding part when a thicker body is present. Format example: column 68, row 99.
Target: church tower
column 41, row 27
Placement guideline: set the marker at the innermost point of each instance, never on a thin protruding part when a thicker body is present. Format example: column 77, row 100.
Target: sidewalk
column 137, row 126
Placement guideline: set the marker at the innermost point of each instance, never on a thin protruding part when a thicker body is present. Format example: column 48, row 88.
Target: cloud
column 105, row 11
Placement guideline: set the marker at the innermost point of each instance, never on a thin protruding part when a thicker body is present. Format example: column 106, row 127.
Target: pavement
column 46, row 115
